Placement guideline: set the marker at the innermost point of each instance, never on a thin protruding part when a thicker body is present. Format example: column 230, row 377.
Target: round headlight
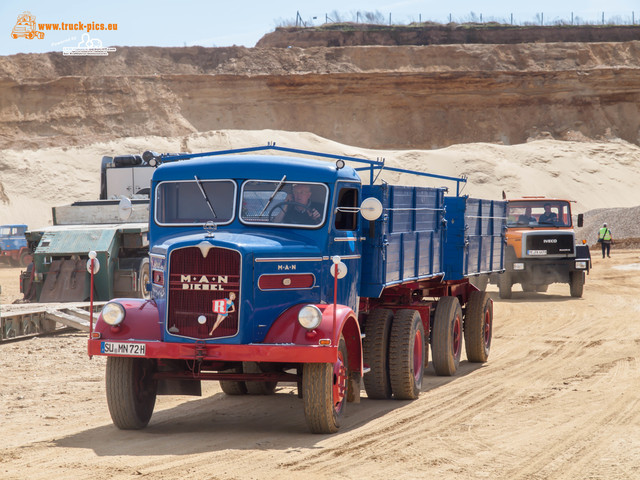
column 310, row 317
column 113, row 313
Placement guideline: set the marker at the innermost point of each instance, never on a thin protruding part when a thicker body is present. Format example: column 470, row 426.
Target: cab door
column 345, row 242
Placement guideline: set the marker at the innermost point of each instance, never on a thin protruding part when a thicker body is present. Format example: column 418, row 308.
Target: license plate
column 536, row 252
column 113, row 348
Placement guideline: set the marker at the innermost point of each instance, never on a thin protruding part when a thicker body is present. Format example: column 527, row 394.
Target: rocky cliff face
column 378, row 97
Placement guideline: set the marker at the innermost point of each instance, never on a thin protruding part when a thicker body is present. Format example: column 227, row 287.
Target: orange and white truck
column 26, row 27
column 541, row 247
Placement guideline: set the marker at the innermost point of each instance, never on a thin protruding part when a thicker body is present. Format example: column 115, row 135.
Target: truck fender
column 287, row 330
column 141, row 321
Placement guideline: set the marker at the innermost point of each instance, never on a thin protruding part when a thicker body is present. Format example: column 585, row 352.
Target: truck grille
column 200, row 286
column 552, row 243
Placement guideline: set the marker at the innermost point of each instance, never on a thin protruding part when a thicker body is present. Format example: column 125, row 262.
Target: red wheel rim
column 487, row 327
column 418, row 353
column 457, row 336
column 339, row 383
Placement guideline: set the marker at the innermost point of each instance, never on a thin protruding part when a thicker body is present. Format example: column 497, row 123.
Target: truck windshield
column 294, row 204
column 542, row 213
column 183, row 202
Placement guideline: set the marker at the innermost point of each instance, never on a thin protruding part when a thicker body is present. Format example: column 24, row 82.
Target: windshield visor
column 284, row 203
column 185, row 203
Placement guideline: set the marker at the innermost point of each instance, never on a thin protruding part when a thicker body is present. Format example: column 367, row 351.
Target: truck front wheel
column 504, row 285
column 478, row 324
column 131, row 391
column 576, row 283
column 375, row 346
column 324, row 391
column 446, row 339
column 406, row 355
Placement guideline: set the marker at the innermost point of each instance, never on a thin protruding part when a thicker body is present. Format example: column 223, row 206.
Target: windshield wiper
column 278, row 187
column 204, row 194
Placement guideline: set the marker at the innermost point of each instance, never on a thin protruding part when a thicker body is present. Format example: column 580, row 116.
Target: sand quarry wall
column 371, row 96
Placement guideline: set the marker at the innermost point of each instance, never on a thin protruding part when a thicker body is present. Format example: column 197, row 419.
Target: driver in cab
column 299, row 208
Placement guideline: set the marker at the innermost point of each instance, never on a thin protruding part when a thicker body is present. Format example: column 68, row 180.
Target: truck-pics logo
column 203, row 282
column 26, row 27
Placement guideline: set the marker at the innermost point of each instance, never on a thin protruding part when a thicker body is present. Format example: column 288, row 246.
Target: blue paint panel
column 407, row 240
column 475, row 236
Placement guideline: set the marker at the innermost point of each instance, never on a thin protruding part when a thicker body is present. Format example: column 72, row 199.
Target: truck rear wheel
column 480, row 281
column 258, row 388
column 576, row 284
column 131, row 391
column 504, row 285
column 324, row 391
column 406, row 355
column 446, row 340
column 375, row 346
column 478, row 326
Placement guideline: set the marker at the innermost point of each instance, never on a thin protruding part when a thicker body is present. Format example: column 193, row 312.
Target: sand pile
column 596, row 175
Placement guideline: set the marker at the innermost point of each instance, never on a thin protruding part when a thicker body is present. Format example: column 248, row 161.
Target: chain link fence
column 523, row 19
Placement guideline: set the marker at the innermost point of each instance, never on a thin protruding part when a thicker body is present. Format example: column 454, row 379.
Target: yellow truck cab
column 541, row 247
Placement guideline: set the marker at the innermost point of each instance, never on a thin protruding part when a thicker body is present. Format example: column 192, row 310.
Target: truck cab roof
column 266, row 167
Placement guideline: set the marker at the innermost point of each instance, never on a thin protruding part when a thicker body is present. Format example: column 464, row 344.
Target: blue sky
column 242, row 22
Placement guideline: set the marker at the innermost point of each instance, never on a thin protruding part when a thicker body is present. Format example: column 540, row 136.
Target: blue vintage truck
column 13, row 245
column 272, row 268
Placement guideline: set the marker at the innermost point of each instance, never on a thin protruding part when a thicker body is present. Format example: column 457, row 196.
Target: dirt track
column 557, row 399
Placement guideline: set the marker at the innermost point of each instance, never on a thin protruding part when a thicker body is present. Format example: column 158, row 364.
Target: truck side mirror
column 125, row 208
column 371, row 208
column 580, row 219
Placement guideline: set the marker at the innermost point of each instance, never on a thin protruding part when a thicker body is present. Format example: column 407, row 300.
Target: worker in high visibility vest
column 605, row 238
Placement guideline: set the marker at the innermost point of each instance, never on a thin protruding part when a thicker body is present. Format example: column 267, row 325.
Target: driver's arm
column 283, row 210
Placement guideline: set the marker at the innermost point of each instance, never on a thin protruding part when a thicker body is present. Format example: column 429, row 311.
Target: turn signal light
column 158, row 277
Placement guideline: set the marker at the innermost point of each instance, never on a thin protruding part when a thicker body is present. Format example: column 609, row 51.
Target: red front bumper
column 258, row 352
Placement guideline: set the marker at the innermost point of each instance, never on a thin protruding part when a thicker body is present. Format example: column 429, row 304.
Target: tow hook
column 201, row 351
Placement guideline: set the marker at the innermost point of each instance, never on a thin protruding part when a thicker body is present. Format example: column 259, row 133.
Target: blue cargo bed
column 424, row 235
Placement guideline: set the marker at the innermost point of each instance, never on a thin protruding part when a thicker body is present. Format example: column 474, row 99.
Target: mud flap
column 67, row 281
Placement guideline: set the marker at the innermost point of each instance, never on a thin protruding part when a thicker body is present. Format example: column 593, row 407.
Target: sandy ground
column 558, row 399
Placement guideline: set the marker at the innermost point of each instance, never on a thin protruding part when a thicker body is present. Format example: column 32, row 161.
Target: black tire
column 576, row 284
column 25, row 259
column 542, row 288
column 375, row 346
column 478, row 327
column 143, row 279
column 480, row 281
column 131, row 391
column 528, row 287
column 504, row 285
column 258, row 388
column 406, row 354
column 446, row 339
column 233, row 387
column 324, row 392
